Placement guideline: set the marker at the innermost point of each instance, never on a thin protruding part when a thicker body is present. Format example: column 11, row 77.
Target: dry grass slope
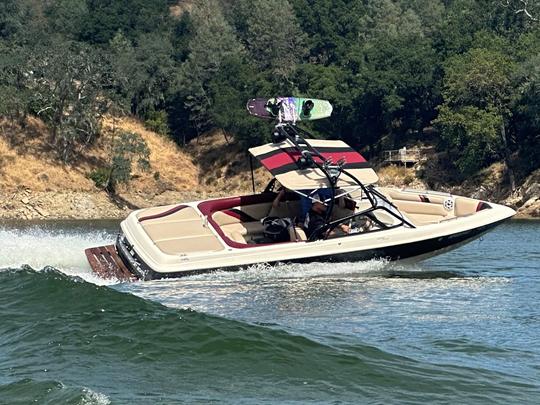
column 27, row 161
column 224, row 166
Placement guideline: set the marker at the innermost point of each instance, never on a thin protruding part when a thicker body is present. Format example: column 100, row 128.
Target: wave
column 27, row 390
column 40, row 246
column 59, row 328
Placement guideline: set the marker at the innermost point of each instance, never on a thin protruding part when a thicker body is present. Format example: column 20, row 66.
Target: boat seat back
column 297, row 234
column 247, row 232
column 421, row 213
column 465, row 206
column 412, row 196
column 244, row 228
column 237, row 237
column 222, row 218
column 243, row 232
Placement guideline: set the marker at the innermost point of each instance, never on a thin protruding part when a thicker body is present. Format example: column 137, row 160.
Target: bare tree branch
column 44, row 109
column 521, row 7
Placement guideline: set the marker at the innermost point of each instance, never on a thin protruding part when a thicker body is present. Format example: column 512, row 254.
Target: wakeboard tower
column 234, row 232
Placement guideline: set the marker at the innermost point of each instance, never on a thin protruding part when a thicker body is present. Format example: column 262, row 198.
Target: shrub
column 127, row 147
column 157, row 121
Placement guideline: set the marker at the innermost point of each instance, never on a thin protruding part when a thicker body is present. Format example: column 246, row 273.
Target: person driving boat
column 316, row 219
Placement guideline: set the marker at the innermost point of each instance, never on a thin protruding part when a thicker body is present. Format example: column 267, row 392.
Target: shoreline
column 83, row 205
column 26, row 205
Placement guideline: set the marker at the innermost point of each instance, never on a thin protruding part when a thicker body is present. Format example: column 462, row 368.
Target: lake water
column 463, row 327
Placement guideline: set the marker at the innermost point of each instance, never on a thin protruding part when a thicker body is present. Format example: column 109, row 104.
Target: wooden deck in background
column 403, row 155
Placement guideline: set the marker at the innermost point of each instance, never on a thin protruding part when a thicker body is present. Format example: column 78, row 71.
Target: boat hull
column 122, row 259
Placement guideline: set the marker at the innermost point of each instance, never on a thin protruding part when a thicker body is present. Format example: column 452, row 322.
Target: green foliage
column 213, row 42
column 157, row 121
column 275, row 50
column 133, row 17
column 68, row 16
column 526, row 108
column 100, row 177
column 388, row 19
column 14, row 99
column 474, row 133
column 11, row 17
column 331, row 27
column 229, row 88
column 66, row 85
column 477, row 91
column 127, row 149
column 480, row 77
column 389, row 67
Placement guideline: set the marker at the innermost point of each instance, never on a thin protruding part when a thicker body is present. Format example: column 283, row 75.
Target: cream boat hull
column 151, row 243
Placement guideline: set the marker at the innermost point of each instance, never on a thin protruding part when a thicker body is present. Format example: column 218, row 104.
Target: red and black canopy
column 283, row 161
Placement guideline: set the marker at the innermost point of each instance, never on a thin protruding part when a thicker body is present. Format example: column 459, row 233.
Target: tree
column 133, row 17
column 66, row 83
column 526, row 108
column 477, row 93
column 529, row 8
column 126, row 149
column 232, row 85
column 154, row 72
column 430, row 13
column 68, row 17
column 331, row 26
column 272, row 35
column 473, row 133
column 12, row 16
column 15, row 96
column 213, row 41
column 386, row 18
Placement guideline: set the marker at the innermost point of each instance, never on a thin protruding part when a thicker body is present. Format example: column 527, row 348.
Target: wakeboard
column 290, row 109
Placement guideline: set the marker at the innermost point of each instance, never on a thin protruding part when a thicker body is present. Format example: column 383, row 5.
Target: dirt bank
column 34, row 185
column 33, row 205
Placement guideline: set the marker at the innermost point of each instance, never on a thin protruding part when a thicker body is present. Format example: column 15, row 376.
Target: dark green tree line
column 391, row 68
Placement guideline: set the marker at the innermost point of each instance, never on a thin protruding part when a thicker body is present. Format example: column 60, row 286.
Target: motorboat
column 361, row 221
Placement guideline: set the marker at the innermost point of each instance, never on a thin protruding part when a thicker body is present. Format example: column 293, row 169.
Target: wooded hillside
column 468, row 70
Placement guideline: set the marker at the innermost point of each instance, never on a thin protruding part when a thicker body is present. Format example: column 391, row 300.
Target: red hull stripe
column 286, row 158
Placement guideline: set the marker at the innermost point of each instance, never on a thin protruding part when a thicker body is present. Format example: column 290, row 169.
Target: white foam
column 262, row 272
column 94, row 398
column 62, row 249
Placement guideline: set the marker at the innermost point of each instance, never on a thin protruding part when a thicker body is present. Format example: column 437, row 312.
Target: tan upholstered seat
column 465, row 206
column 180, row 232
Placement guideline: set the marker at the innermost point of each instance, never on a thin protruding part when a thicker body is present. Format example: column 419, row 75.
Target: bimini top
column 282, row 160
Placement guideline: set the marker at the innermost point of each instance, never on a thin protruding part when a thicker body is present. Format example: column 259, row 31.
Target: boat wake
column 43, row 246
column 262, row 272
column 40, row 247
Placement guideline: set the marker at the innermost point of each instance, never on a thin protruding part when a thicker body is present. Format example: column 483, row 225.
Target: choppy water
column 463, row 327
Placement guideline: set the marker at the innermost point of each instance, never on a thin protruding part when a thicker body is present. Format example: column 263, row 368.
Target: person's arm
column 278, row 198
column 341, row 227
